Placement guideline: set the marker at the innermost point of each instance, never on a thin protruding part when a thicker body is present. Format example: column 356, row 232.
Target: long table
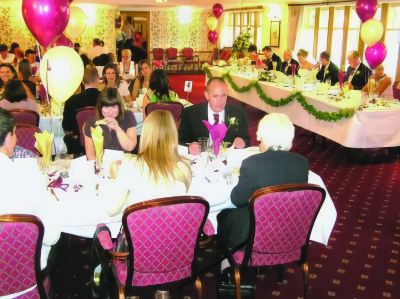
column 374, row 127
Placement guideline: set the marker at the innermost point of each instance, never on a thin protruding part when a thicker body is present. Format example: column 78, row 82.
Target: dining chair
column 82, row 115
column 172, row 58
column 281, row 221
column 21, row 239
column 44, row 101
column 25, row 117
column 188, row 58
column 163, row 237
column 176, row 109
column 158, row 58
column 26, row 137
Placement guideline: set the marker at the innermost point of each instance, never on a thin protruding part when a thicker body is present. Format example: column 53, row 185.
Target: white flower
column 232, row 121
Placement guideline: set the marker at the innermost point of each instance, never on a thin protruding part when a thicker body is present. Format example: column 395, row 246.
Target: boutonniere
column 358, row 72
column 327, row 72
column 233, row 121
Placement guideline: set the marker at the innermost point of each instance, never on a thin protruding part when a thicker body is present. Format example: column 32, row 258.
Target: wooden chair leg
column 199, row 288
column 237, row 283
column 306, row 279
column 281, row 269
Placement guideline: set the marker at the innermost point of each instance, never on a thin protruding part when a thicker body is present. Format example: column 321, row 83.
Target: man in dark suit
column 86, row 98
column 271, row 57
column 357, row 74
column 275, row 165
column 287, row 63
column 215, row 110
column 328, row 70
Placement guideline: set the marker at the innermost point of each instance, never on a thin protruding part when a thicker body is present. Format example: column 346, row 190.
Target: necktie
column 216, row 118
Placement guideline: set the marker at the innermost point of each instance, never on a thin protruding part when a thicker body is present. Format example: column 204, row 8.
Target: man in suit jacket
column 275, row 165
column 86, row 98
column 287, row 63
column 214, row 110
column 271, row 57
column 329, row 70
column 357, row 74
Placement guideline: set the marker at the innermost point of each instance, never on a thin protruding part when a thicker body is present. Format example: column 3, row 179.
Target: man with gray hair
column 357, row 73
column 274, row 165
column 287, row 63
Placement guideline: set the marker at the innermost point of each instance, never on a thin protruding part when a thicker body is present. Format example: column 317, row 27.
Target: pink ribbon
column 293, row 70
column 58, row 183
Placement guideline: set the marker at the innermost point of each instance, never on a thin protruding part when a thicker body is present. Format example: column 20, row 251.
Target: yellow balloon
column 212, row 23
column 371, row 32
column 76, row 24
column 61, row 71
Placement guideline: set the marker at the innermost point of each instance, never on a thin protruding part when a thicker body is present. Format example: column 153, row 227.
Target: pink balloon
column 62, row 40
column 46, row 19
column 212, row 36
column 376, row 54
column 366, row 9
column 217, row 10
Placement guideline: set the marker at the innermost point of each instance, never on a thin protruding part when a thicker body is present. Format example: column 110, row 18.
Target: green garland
column 298, row 96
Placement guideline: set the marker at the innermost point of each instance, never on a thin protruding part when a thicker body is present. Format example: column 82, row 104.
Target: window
column 305, row 37
column 337, row 35
column 236, row 22
column 392, row 41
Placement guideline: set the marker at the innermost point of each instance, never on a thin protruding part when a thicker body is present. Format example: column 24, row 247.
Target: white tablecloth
column 374, row 127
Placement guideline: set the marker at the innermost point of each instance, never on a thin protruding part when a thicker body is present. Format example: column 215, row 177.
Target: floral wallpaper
column 166, row 31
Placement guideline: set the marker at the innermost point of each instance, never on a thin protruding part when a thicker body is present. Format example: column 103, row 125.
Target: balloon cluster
column 212, row 23
column 371, row 32
column 55, row 23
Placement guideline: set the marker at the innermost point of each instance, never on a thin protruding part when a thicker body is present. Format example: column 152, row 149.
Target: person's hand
column 111, row 123
column 239, row 143
column 194, row 148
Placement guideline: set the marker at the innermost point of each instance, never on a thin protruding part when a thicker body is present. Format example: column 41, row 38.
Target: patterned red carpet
column 362, row 259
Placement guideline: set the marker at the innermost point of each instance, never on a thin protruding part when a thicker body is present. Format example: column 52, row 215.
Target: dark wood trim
column 345, row 34
column 384, row 19
column 253, row 8
column 330, row 29
column 316, row 30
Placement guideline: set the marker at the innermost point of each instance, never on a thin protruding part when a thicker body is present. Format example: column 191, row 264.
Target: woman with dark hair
column 158, row 89
column 7, row 72
column 15, row 97
column 142, row 78
column 24, row 74
column 118, row 124
column 112, row 80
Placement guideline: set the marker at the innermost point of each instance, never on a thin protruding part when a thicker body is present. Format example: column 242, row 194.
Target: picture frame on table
column 275, row 34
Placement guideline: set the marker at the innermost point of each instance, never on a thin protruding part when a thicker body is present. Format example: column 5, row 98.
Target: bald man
column 357, row 74
column 286, row 67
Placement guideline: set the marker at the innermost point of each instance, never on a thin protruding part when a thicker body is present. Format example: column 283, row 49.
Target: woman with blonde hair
column 157, row 171
column 304, row 63
column 127, row 66
column 379, row 84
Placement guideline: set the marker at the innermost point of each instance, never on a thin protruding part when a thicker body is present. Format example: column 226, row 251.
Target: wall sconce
column 275, row 12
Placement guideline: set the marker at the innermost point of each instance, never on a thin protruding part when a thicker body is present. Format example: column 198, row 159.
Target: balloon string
column 49, row 103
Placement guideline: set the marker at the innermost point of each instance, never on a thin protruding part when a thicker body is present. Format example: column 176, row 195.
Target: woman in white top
column 379, row 83
column 157, row 171
column 303, row 62
column 127, row 66
column 112, row 80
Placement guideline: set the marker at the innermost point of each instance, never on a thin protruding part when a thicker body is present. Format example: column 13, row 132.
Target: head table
column 374, row 126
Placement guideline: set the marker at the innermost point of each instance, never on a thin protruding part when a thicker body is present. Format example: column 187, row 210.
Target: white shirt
column 354, row 72
column 211, row 116
column 9, row 58
column 123, row 89
column 130, row 75
column 96, row 51
column 35, row 67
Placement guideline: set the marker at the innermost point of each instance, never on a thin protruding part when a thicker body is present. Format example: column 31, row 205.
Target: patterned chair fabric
column 189, row 58
column 26, row 138
column 81, row 116
column 43, row 95
column 175, row 108
column 281, row 223
column 25, row 117
column 172, row 57
column 21, row 239
column 158, row 54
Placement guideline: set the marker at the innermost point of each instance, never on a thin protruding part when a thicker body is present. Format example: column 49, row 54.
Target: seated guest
column 303, row 62
column 142, row 78
column 7, row 72
column 119, row 130
column 5, row 56
column 158, row 89
column 275, row 165
column 15, row 97
column 138, row 52
column 97, row 49
column 215, row 110
column 35, row 66
column 85, row 59
column 157, row 171
column 20, row 152
column 287, row 63
column 127, row 66
column 253, row 53
column 328, row 71
column 357, row 74
column 271, row 57
column 88, row 97
column 379, row 84
column 32, row 198
column 77, row 47
column 25, row 75
column 112, row 80
column 396, row 90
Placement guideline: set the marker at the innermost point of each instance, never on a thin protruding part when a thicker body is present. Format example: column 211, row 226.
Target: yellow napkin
column 43, row 144
column 98, row 141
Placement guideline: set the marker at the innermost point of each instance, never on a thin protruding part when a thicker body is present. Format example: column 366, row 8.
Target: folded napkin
column 341, row 76
column 43, row 144
column 98, row 142
column 217, row 132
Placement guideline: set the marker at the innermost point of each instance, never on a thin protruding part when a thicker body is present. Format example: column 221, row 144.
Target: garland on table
column 298, row 96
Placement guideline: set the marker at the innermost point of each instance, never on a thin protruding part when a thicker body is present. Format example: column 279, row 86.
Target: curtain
column 295, row 15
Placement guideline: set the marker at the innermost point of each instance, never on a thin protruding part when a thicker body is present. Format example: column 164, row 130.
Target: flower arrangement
column 266, row 76
column 241, row 43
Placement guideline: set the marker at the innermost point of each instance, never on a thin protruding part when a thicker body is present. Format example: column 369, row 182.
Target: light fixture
column 275, row 12
column 161, row 1
column 184, row 14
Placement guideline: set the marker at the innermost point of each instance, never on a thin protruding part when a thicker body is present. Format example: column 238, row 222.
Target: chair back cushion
column 26, row 137
column 20, row 245
column 158, row 54
column 163, row 241
column 281, row 222
column 175, row 108
column 25, row 117
column 43, row 95
column 172, row 53
column 187, row 53
column 82, row 115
